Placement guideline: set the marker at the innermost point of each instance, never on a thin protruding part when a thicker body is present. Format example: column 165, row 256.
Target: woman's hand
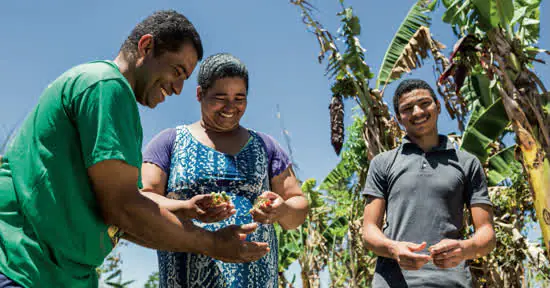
column 203, row 208
column 271, row 208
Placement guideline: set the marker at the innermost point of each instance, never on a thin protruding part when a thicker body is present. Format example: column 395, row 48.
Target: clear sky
column 42, row 39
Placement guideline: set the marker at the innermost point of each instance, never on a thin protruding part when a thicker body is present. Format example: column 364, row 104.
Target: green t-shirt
column 51, row 231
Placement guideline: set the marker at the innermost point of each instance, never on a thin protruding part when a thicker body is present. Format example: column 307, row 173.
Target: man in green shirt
column 69, row 180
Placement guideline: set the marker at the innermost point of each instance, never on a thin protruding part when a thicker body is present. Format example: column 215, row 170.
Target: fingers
column 416, row 247
column 270, row 195
column 263, row 217
column 444, row 246
column 447, row 254
column 447, row 263
column 413, row 262
column 246, row 228
column 252, row 251
column 208, row 218
column 248, row 252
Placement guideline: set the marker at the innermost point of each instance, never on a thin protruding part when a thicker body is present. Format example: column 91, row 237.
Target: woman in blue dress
column 217, row 154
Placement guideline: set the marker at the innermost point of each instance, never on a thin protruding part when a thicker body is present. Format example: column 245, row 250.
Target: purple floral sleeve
column 277, row 157
column 159, row 150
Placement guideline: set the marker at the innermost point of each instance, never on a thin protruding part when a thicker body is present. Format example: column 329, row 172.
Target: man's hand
column 271, row 210
column 403, row 252
column 202, row 208
column 229, row 244
column 448, row 253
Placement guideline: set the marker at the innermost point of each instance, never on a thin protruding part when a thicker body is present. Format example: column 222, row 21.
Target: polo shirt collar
column 444, row 143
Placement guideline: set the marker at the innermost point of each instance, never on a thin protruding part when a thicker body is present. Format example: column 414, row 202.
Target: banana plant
column 513, row 204
column 497, row 41
column 350, row 75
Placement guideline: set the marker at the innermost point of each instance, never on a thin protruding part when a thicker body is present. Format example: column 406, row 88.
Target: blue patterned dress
column 198, row 169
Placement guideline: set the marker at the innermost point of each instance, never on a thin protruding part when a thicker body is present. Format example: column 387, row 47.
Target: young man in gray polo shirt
column 421, row 187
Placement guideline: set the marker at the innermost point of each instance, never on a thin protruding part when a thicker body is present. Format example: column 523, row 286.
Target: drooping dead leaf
column 414, row 52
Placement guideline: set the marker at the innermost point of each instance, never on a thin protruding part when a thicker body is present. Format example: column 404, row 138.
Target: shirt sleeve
column 108, row 123
column 159, row 150
column 278, row 159
column 476, row 190
column 376, row 184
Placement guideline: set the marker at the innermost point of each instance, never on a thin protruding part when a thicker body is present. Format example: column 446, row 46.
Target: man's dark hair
column 170, row 30
column 407, row 86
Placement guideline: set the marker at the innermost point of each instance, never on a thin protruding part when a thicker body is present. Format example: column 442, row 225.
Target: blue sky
column 41, row 39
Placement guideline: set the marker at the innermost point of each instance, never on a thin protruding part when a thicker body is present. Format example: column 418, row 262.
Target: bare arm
column 296, row 205
column 373, row 219
column 449, row 252
column 154, row 186
column 114, row 183
column 483, row 241
column 376, row 241
column 288, row 206
column 122, row 205
column 199, row 207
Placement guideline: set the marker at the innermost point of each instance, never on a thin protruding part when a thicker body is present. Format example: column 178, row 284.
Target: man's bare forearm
column 377, row 242
column 480, row 244
column 158, row 228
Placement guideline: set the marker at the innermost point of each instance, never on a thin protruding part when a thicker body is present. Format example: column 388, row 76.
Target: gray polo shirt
column 425, row 194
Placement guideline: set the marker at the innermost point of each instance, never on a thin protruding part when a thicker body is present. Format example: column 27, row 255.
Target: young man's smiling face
column 418, row 113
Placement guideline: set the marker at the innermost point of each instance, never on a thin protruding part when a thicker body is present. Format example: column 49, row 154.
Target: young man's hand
column 448, row 253
column 404, row 253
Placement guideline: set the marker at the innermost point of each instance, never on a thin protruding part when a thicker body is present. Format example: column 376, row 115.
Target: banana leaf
column 416, row 18
column 502, row 166
column 484, row 127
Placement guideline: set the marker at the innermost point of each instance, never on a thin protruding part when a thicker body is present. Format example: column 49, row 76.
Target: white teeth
column 420, row 121
column 163, row 92
column 226, row 115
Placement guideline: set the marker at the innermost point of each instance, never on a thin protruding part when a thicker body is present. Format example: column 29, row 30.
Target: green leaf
column 451, row 12
column 481, row 84
column 336, row 230
column 484, row 127
column 340, row 173
column 354, row 25
column 462, row 8
column 115, row 274
column 502, row 166
column 125, row 284
column 506, row 9
column 449, row 15
column 432, row 5
column 416, row 18
column 529, row 21
column 488, row 12
column 518, row 14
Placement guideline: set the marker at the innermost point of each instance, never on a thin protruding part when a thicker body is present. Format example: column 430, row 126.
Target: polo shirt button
column 423, row 165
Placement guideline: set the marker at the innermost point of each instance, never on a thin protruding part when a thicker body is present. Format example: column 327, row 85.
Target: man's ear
column 438, row 106
column 145, row 45
column 199, row 93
